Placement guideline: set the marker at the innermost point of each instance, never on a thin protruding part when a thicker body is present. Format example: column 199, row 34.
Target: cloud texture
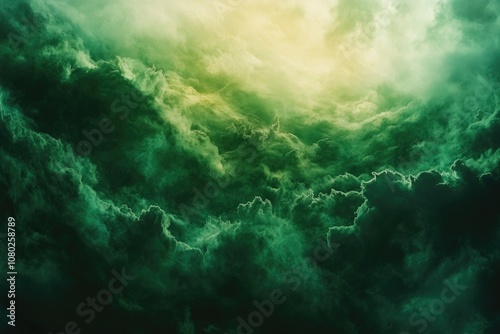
column 210, row 147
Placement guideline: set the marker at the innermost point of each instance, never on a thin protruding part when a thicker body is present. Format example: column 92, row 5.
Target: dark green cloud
column 210, row 152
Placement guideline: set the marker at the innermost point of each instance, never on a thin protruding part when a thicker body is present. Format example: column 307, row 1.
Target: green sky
column 210, row 148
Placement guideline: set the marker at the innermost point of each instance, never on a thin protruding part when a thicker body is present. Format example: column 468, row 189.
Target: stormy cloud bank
column 334, row 164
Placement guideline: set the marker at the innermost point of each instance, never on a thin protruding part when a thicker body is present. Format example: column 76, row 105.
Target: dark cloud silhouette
column 210, row 154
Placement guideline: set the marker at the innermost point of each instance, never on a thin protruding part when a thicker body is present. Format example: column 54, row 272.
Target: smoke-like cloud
column 210, row 148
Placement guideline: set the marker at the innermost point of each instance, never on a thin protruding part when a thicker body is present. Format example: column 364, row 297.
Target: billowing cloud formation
column 337, row 159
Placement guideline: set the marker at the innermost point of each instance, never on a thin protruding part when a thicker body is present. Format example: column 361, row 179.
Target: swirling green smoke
column 210, row 147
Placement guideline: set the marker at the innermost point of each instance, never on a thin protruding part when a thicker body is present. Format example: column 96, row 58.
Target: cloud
column 373, row 126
